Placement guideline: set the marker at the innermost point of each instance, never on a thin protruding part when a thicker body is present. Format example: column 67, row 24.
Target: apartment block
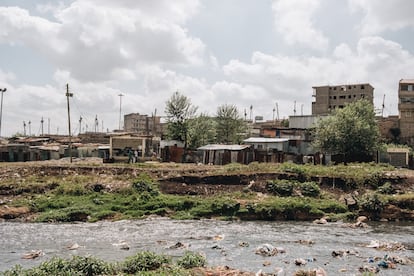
column 406, row 109
column 142, row 124
column 330, row 97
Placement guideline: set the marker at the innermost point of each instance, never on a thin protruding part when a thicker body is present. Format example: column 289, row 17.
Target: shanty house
column 268, row 149
column 218, row 154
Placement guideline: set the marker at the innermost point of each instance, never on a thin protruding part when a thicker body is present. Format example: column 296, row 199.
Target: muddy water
column 218, row 240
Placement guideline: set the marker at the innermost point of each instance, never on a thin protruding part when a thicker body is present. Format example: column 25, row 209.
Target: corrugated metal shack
column 217, row 154
column 268, row 149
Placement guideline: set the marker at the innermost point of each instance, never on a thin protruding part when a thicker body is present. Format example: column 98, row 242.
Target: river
column 220, row 241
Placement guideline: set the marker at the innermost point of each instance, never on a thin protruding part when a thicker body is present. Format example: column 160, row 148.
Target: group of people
column 133, row 156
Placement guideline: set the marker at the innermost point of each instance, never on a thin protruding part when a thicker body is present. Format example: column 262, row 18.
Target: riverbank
column 88, row 190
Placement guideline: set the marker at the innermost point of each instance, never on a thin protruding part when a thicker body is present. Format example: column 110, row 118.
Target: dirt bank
column 26, row 180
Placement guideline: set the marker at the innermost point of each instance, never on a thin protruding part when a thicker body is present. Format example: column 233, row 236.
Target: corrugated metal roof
column 265, row 140
column 223, row 147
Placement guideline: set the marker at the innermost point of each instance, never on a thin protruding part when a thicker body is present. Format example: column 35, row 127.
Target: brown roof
column 407, row 81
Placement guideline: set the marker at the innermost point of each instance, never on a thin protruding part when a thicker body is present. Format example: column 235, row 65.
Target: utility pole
column 41, row 123
column 70, row 134
column 30, row 128
column 80, row 124
column 96, row 124
column 24, row 128
column 294, row 108
column 120, row 108
column 251, row 113
column 2, row 90
column 277, row 112
column 48, row 126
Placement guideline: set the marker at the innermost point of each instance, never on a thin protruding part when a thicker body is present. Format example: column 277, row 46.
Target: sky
column 267, row 54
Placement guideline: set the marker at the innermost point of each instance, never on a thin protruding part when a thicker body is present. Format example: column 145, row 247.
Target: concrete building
column 143, row 124
column 406, row 110
column 328, row 98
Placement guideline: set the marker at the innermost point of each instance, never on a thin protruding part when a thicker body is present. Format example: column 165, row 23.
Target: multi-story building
column 143, row 124
column 406, row 109
column 328, row 97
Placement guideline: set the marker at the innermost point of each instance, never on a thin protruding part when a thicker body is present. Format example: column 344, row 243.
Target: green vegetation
column 351, row 132
column 190, row 260
column 301, row 192
column 143, row 263
column 179, row 111
column 231, row 128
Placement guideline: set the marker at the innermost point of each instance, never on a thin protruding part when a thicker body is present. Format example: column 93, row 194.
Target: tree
column 179, row 111
column 351, row 132
column 201, row 131
column 230, row 126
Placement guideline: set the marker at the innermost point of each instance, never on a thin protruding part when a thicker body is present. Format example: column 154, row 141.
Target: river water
column 220, row 241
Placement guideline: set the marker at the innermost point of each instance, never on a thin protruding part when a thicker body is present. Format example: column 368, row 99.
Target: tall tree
column 179, row 111
column 202, row 131
column 351, row 131
column 231, row 128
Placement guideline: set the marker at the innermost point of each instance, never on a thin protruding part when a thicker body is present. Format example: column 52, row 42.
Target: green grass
column 142, row 263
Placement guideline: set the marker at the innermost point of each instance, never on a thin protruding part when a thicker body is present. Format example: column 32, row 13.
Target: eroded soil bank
column 247, row 190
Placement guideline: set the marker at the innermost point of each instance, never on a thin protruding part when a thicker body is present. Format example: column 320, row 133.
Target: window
column 342, row 97
column 404, row 87
column 349, row 96
column 334, row 88
column 410, row 87
column 362, row 86
column 334, row 97
column 349, row 87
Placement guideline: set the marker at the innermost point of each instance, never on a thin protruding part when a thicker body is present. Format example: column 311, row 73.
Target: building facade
column 143, row 124
column 328, row 98
column 406, row 110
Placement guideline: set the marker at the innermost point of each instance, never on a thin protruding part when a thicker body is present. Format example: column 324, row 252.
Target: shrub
column 144, row 183
column 280, row 187
column 191, row 259
column 144, row 261
column 387, row 188
column 88, row 265
column 373, row 204
column 310, row 189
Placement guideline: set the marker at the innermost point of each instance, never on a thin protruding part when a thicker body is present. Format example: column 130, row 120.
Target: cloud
column 293, row 19
column 285, row 79
column 384, row 15
column 97, row 41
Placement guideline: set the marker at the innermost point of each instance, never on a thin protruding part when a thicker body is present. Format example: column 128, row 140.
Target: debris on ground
column 300, row 261
column 342, row 253
column 386, row 246
column 305, row 242
column 369, row 269
column 244, row 244
column 311, row 272
column 320, row 221
column 177, row 245
column 123, row 245
column 266, row 250
column 222, row 271
column 73, row 246
column 33, row 254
